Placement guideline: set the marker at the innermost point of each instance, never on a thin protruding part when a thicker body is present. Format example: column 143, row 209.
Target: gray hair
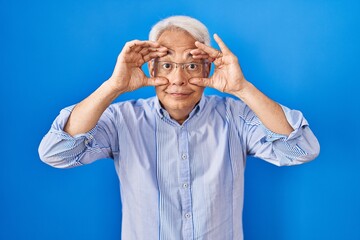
column 191, row 25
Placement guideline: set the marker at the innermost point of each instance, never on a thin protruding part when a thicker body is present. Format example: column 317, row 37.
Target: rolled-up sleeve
column 299, row 147
column 61, row 150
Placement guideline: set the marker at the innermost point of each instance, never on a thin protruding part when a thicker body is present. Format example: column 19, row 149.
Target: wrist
column 113, row 87
column 245, row 90
column 110, row 91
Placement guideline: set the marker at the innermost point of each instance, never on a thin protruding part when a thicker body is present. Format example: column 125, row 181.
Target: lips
column 179, row 94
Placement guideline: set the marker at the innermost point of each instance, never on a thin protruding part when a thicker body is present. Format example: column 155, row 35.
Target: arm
column 269, row 112
column 229, row 78
column 127, row 76
column 298, row 147
column 280, row 137
column 86, row 132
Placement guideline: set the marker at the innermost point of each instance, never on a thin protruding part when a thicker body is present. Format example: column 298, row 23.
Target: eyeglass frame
column 204, row 62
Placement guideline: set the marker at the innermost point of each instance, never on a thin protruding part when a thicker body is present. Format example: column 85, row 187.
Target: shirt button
column 188, row 215
column 185, row 185
column 184, row 156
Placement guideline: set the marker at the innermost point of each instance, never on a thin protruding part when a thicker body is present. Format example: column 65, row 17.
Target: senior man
column 180, row 156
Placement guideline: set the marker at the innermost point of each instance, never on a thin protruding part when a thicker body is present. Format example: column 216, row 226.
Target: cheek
column 197, row 89
column 160, row 89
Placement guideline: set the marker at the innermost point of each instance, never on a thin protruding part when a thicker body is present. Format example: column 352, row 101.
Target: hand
column 128, row 75
column 227, row 76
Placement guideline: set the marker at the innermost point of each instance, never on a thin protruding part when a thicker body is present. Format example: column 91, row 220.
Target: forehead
column 178, row 42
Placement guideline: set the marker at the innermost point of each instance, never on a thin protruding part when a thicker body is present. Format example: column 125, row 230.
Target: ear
column 151, row 68
column 207, row 70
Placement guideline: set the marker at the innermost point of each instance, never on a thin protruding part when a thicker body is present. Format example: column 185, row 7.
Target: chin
column 179, row 102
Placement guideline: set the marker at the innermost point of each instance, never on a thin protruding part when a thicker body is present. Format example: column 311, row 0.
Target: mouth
column 179, row 95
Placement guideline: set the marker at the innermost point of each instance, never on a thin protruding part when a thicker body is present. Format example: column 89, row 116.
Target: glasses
column 192, row 69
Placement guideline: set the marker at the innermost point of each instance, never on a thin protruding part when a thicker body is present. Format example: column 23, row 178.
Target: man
column 180, row 156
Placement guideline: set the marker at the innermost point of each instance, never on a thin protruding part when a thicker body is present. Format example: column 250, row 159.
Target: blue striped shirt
column 180, row 181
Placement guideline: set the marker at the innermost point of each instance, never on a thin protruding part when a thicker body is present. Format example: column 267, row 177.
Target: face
column 178, row 96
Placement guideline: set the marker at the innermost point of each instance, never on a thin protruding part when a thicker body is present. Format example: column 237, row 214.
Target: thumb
column 157, row 81
column 201, row 82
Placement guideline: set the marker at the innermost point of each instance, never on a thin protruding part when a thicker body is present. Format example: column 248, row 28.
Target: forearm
column 61, row 150
column 87, row 113
column 269, row 112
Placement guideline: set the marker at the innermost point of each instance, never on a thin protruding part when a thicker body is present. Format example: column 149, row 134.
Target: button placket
column 184, row 180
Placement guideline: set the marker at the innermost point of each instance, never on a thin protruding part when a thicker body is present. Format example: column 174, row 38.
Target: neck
column 179, row 115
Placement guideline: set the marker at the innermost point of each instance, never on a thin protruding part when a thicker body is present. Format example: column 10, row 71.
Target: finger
column 137, row 45
column 146, row 50
column 144, row 43
column 197, row 52
column 201, row 82
column 204, row 56
column 153, row 55
column 221, row 44
column 158, row 49
column 209, row 50
column 157, row 81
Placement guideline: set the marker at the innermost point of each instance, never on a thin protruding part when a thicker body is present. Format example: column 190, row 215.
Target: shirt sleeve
column 299, row 147
column 61, row 150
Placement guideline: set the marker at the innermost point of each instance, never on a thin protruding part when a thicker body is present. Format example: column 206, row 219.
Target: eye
column 166, row 66
column 192, row 66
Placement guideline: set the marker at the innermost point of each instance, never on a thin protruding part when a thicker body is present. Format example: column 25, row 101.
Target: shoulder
column 223, row 101
column 234, row 107
column 134, row 103
column 131, row 107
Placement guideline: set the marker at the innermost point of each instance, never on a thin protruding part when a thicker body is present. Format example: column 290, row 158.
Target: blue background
column 304, row 54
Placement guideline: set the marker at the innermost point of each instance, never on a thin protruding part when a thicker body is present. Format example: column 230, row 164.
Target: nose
column 178, row 77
